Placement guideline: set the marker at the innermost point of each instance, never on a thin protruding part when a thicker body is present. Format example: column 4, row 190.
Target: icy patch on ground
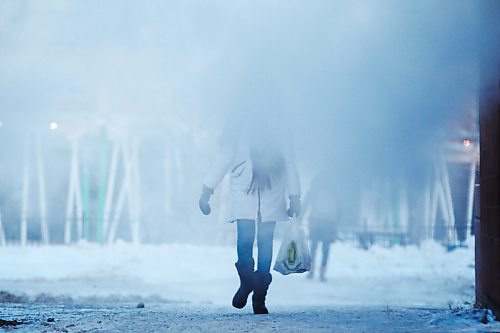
column 425, row 276
column 210, row 318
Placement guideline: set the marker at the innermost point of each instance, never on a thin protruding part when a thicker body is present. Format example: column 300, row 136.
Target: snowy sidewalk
column 209, row 318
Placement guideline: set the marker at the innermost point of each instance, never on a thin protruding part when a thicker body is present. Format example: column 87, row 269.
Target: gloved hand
column 294, row 209
column 206, row 192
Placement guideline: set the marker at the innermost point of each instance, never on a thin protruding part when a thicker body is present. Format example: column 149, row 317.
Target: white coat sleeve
column 219, row 168
column 292, row 174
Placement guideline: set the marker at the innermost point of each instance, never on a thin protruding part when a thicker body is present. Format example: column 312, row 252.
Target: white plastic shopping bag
column 293, row 255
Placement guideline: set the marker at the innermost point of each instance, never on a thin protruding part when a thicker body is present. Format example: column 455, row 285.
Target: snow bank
column 425, row 276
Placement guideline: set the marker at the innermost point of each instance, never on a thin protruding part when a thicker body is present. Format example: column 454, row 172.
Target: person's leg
column 262, row 277
column 324, row 259
column 246, row 236
column 314, row 247
column 326, row 253
column 265, row 234
column 245, row 264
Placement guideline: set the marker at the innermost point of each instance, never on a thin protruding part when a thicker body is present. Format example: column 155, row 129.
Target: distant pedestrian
column 322, row 204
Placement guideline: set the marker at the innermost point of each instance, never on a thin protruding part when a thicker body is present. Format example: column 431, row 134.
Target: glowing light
column 53, row 125
column 466, row 142
column 1, row 123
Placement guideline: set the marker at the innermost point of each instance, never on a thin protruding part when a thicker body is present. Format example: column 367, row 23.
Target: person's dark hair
column 268, row 166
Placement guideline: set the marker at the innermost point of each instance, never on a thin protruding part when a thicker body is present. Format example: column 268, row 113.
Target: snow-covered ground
column 380, row 289
column 425, row 276
column 210, row 318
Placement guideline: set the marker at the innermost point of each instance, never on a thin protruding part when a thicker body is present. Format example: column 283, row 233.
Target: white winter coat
column 235, row 160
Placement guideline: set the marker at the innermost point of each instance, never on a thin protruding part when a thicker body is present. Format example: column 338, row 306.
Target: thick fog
column 364, row 91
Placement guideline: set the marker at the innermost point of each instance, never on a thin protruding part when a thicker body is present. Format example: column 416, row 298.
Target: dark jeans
column 326, row 251
column 246, row 236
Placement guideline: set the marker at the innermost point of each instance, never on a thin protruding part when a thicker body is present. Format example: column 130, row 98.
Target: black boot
column 261, row 284
column 245, row 271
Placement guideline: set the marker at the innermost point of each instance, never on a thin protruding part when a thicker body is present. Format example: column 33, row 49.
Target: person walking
column 262, row 173
column 323, row 207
